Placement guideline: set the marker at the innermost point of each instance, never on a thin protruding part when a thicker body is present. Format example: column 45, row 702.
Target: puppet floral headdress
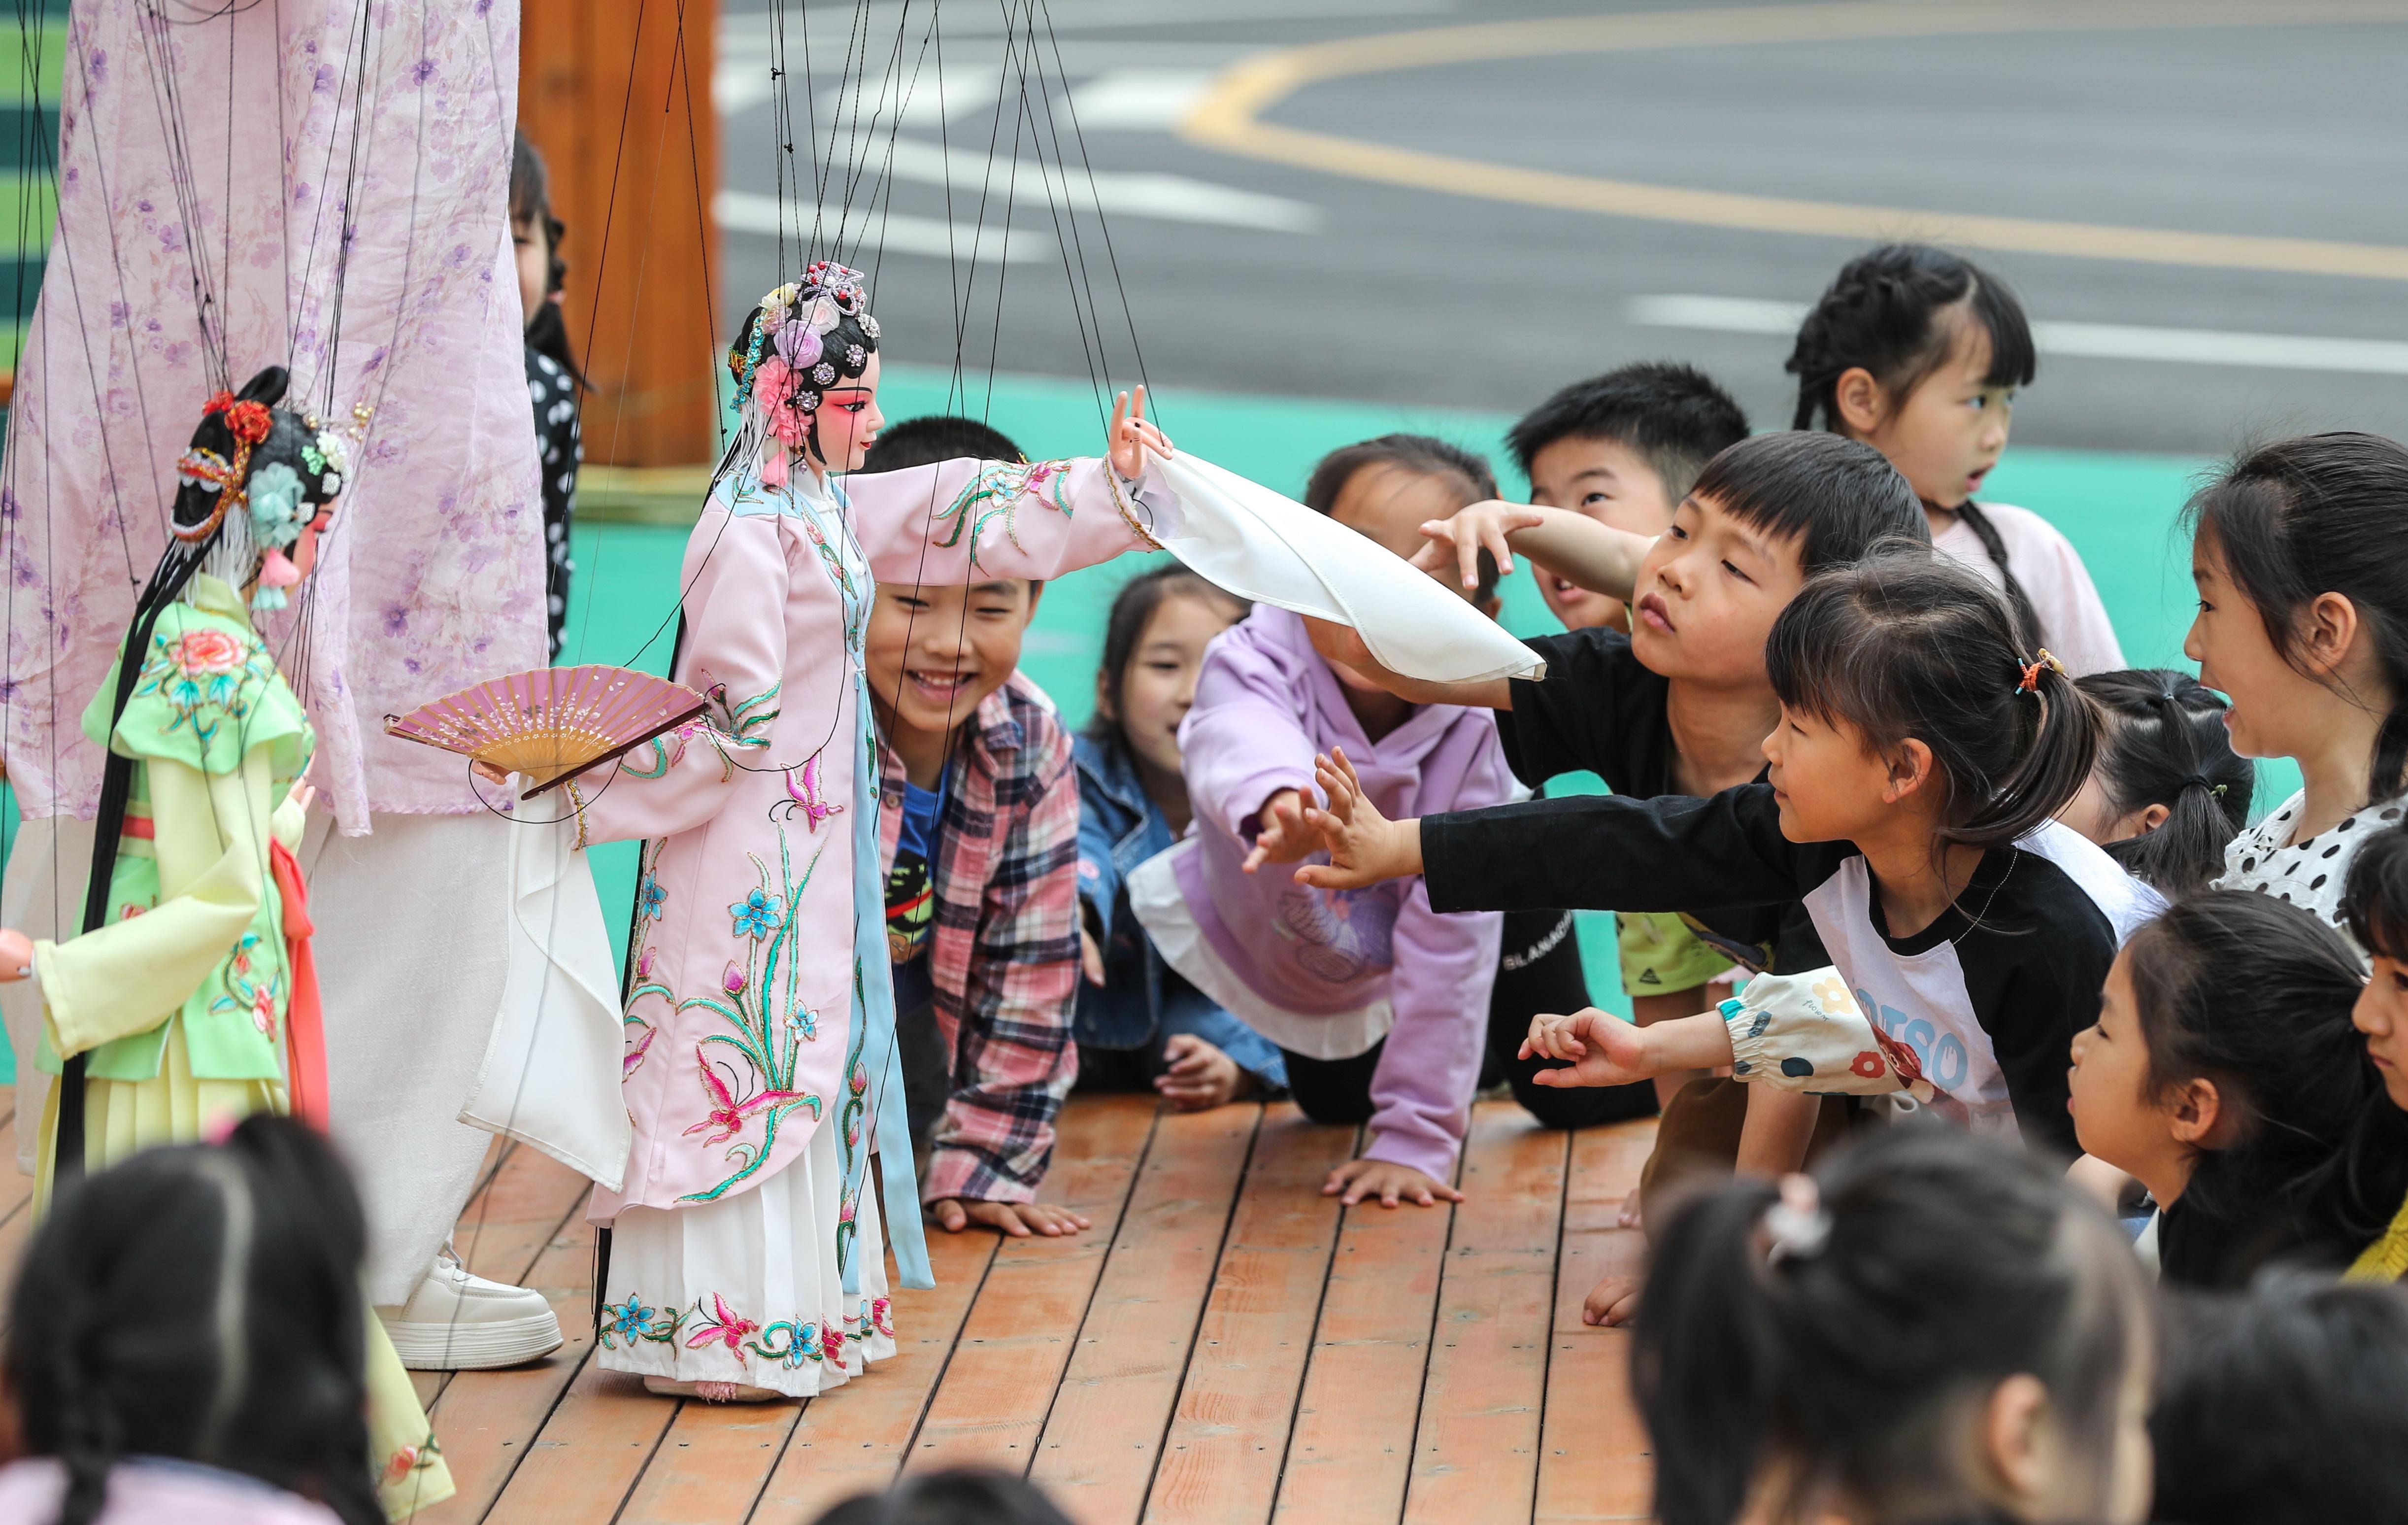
column 268, row 469
column 805, row 337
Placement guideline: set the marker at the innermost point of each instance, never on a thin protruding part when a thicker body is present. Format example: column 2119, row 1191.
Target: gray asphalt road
column 1240, row 273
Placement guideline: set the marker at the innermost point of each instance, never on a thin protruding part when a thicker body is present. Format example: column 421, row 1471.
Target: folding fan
column 552, row 723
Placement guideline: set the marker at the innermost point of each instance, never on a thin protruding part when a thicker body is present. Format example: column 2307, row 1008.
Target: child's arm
column 1343, row 645
column 1599, row 852
column 1596, row 555
column 1788, row 1032
column 1247, row 758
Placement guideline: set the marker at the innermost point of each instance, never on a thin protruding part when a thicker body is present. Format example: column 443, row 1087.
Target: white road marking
column 897, row 233
column 2095, row 340
column 1139, row 100
column 1031, row 182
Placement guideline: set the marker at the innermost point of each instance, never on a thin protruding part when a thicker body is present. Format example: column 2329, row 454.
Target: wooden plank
column 1101, row 1440
column 588, row 1454
column 991, row 1405
column 1476, row 1449
column 1594, row 1460
column 485, row 1421
column 711, row 1464
column 1221, row 1461
column 1353, row 1445
column 855, row 1440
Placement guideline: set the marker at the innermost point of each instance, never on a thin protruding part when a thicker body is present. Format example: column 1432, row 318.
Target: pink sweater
column 1265, row 703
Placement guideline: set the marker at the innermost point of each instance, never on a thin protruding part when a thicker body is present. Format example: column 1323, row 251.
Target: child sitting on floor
column 2299, row 551
column 2168, row 793
column 1376, row 1003
column 1918, row 763
column 2377, row 920
column 1918, row 352
column 979, row 828
column 1680, row 705
column 187, row 1342
column 1139, row 1021
column 1931, row 1328
column 2223, row 1073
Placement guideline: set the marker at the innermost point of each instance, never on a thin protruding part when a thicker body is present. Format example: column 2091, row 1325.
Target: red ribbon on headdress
column 305, row 1027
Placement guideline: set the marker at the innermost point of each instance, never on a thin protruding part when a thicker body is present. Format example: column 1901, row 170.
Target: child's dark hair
column 1830, row 1349
column 1673, row 416
column 1909, row 645
column 1422, row 454
column 1837, row 498
column 2239, row 988
column 202, row 1303
column 1882, row 313
column 937, row 437
column 2289, row 1408
column 957, row 1496
column 531, row 203
column 2374, row 906
column 2322, row 514
column 1133, row 609
column 2164, row 743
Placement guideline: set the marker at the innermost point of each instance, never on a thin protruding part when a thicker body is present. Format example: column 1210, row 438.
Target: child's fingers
column 1338, row 756
column 1466, row 560
column 1494, row 533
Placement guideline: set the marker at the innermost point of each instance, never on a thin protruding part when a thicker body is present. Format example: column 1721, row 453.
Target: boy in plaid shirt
column 978, row 833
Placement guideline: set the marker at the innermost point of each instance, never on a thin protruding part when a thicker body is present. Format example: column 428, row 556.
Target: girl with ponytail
column 185, row 1343
column 2299, row 551
column 2168, row 792
column 1919, row 759
column 1931, row 1327
column 188, row 998
column 1919, row 354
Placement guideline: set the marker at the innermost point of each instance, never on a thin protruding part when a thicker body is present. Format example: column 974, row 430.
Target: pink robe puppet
column 760, row 1059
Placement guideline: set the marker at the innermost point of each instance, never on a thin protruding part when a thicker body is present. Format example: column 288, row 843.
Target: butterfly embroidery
column 806, row 793
column 728, row 1114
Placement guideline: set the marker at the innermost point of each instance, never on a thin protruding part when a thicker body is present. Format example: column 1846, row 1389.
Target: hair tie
column 2200, row 782
column 2031, row 671
column 1796, row 1226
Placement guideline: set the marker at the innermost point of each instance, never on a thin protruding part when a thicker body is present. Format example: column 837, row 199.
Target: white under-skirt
column 750, row 1289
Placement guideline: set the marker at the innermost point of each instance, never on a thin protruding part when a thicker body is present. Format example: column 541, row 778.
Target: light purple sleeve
column 967, row 521
column 1242, row 742
column 1421, row 1093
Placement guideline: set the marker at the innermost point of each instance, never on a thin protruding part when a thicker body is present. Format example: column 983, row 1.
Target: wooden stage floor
column 1225, row 1345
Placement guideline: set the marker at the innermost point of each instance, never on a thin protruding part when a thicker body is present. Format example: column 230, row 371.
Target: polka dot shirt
column 2311, row 873
column 553, row 394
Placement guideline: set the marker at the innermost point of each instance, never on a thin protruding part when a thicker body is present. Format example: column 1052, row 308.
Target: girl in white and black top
column 1918, row 762
column 2301, row 553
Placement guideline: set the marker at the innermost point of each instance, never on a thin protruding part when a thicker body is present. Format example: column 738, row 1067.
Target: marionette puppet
column 747, row 1261
column 189, row 1000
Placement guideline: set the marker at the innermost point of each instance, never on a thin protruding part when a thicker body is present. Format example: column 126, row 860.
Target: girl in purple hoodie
column 1379, row 1003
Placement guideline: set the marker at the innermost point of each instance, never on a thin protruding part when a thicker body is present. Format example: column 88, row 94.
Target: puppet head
column 806, row 339
column 254, row 479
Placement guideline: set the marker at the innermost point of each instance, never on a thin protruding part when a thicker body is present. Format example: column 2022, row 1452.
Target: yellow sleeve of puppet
column 129, row 975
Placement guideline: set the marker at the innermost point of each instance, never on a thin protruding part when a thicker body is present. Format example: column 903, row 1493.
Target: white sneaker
column 457, row 1322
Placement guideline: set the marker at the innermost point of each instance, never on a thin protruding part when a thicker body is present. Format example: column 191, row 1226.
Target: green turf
column 2120, row 511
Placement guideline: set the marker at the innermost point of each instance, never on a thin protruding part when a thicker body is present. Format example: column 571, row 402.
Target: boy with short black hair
column 1623, row 447
column 980, row 830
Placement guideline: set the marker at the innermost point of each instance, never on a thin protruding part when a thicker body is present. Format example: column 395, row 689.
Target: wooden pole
column 616, row 93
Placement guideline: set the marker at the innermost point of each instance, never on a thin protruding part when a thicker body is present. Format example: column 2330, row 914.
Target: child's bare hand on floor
column 1018, row 1220
column 1200, row 1076
column 1611, row 1302
column 1364, row 847
column 1281, row 833
column 1362, row 1180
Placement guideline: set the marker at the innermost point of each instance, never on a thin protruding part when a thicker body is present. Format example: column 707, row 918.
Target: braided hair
column 1885, row 313
column 202, row 1304
column 2164, row 743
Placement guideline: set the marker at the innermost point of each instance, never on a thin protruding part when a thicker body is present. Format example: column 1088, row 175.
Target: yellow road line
column 1229, row 118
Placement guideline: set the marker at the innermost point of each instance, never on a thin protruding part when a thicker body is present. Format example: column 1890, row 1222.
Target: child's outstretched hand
column 1361, row 1180
column 1131, row 437
column 1364, row 846
column 1280, row 834
column 1597, row 1048
column 1483, row 527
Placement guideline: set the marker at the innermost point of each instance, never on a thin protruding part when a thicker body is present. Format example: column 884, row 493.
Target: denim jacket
column 1119, row 827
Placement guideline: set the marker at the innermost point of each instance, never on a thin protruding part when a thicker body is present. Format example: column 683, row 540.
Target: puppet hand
column 15, row 955
column 1131, row 437
column 1364, row 846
